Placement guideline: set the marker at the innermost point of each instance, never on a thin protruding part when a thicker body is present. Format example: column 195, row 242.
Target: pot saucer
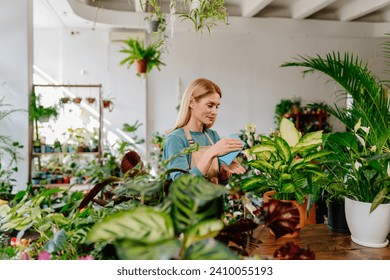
column 372, row 245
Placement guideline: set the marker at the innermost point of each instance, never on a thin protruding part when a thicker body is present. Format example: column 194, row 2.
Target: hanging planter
column 64, row 100
column 108, row 104
column 91, row 100
column 152, row 26
column 144, row 57
column 141, row 66
column 77, row 100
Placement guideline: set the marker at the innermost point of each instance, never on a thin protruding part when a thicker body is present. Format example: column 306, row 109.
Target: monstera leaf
column 194, row 199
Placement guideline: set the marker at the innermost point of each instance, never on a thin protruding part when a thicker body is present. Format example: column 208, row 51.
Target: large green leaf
column 127, row 249
column 289, row 132
column 194, row 199
column 378, row 199
column 316, row 155
column 202, row 230
column 283, row 148
column 209, row 249
column 254, row 184
column 261, row 148
column 143, row 224
column 261, row 165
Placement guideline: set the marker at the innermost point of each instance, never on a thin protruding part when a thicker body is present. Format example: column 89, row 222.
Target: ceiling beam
column 360, row 8
column 250, row 8
column 305, row 8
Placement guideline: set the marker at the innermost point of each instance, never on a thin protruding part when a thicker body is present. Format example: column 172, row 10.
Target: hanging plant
column 204, row 14
column 91, row 100
column 156, row 22
column 137, row 52
column 64, row 100
column 108, row 104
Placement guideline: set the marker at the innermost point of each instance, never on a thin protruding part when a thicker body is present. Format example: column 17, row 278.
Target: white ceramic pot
column 370, row 230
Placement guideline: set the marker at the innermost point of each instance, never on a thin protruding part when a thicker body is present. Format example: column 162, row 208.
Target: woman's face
column 205, row 109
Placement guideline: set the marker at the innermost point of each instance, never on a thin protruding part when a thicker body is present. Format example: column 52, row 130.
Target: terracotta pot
column 77, row 100
column 141, row 66
column 108, row 105
column 302, row 214
column 91, row 100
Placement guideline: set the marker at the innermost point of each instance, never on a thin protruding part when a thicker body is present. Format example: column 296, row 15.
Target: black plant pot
column 336, row 217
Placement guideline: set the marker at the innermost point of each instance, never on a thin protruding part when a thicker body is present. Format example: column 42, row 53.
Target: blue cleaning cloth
column 229, row 157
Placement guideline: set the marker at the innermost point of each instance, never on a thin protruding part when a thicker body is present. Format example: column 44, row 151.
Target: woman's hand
column 234, row 168
column 225, row 146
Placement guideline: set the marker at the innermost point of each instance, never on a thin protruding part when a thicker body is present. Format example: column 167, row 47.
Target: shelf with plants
column 312, row 121
column 63, row 144
column 306, row 118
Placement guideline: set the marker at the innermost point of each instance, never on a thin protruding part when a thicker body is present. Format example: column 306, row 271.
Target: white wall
column 16, row 75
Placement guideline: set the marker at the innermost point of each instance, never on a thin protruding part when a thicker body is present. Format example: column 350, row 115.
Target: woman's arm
column 173, row 146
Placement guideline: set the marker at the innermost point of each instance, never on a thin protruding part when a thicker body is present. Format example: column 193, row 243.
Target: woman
column 198, row 112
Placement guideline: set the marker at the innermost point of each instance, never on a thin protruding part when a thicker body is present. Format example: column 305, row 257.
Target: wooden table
column 326, row 244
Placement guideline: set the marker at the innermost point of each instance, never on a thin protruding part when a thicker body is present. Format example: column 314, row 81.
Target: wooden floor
column 326, row 244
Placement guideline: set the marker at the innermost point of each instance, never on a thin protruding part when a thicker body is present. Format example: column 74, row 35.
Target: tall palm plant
column 370, row 99
column 360, row 167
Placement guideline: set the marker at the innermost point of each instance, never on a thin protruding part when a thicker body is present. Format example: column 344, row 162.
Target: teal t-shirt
column 176, row 141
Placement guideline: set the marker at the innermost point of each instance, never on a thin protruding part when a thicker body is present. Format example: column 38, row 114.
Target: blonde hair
column 197, row 89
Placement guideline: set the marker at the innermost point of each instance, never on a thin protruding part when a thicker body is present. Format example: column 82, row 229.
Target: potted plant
column 204, row 14
column 40, row 113
column 155, row 22
column 283, row 107
column 108, row 103
column 65, row 100
column 369, row 110
column 91, row 100
column 361, row 173
column 286, row 164
column 145, row 57
column 77, row 100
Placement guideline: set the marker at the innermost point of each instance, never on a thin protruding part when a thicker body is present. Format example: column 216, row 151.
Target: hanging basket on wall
column 141, row 66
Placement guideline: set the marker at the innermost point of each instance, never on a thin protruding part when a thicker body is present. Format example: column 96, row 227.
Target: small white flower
column 365, row 129
column 357, row 165
column 373, row 149
column 361, row 140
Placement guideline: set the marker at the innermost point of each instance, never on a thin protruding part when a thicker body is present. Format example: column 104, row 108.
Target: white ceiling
column 50, row 13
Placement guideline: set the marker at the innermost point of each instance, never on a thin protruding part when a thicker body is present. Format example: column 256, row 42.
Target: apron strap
column 189, row 138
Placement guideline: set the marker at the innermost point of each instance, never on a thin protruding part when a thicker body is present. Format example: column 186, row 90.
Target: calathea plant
column 192, row 209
